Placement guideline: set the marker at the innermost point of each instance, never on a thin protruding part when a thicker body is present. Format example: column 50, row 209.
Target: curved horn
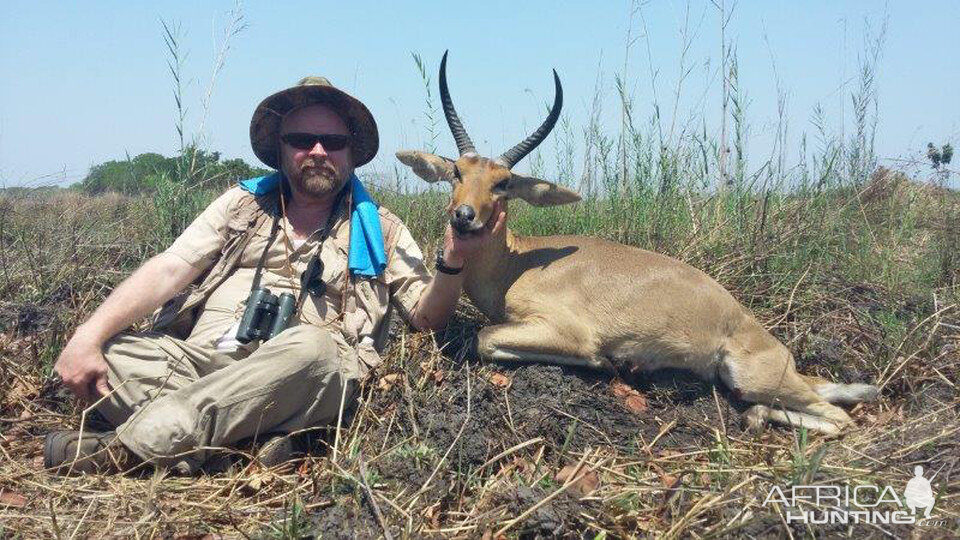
column 464, row 144
column 510, row 158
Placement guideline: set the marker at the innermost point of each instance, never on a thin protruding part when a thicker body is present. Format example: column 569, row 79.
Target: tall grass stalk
column 178, row 199
column 430, row 113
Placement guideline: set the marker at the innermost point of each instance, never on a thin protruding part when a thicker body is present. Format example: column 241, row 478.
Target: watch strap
column 442, row 267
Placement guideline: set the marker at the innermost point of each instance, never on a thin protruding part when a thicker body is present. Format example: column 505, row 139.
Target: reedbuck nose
column 464, row 214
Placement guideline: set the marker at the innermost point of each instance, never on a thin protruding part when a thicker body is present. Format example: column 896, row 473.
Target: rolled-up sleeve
column 406, row 274
column 200, row 243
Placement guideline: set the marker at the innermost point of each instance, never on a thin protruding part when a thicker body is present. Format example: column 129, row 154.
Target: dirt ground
column 440, row 445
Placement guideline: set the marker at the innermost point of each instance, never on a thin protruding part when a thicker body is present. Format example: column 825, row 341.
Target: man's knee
column 304, row 342
column 169, row 429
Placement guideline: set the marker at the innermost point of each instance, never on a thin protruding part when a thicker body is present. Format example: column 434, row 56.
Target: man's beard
column 318, row 178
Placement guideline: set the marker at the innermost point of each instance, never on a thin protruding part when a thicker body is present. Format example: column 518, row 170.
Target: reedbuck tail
column 843, row 394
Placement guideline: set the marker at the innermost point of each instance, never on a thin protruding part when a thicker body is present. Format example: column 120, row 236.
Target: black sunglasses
column 305, row 141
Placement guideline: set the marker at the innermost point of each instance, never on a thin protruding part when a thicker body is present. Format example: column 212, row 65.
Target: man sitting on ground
column 209, row 375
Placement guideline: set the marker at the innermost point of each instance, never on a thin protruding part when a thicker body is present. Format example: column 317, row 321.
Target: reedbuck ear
column 540, row 192
column 427, row 166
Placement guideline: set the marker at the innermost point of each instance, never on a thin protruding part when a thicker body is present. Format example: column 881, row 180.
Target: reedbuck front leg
column 540, row 342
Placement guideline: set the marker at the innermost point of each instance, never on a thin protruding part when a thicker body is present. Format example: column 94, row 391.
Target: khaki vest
column 178, row 316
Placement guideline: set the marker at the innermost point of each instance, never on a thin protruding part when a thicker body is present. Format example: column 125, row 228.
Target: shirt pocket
column 373, row 297
column 334, row 260
column 253, row 250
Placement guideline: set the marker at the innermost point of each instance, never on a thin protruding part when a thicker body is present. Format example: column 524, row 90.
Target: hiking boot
column 67, row 453
column 278, row 448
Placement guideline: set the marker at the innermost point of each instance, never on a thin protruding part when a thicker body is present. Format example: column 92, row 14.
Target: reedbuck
column 582, row 301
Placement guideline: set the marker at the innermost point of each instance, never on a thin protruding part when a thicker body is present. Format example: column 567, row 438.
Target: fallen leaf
column 647, row 524
column 499, row 379
column 632, row 399
column 887, row 416
column 587, row 479
column 637, row 404
column 10, row 498
column 387, row 381
column 521, row 465
column 669, row 481
column 22, row 391
column 621, row 390
column 252, row 486
column 589, row 483
column 438, row 376
column 565, row 473
column 432, row 513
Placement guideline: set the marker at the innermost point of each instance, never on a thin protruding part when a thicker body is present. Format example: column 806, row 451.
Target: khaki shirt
column 400, row 285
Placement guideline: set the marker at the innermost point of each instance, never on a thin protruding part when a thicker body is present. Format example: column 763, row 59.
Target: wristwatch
column 442, row 267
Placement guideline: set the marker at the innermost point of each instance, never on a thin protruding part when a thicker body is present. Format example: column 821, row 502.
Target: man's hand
column 439, row 299
column 459, row 250
column 82, row 367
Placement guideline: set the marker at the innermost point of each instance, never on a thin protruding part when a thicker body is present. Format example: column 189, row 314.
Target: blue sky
column 85, row 82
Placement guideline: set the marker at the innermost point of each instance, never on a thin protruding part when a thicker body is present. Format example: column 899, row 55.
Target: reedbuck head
column 480, row 183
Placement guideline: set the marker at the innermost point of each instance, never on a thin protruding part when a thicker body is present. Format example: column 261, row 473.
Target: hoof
column 754, row 419
column 601, row 363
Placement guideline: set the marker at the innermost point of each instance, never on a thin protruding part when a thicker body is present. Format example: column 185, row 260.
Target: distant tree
column 128, row 176
column 237, row 169
column 139, row 174
column 939, row 156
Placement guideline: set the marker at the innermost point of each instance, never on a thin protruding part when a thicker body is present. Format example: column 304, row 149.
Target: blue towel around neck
column 367, row 256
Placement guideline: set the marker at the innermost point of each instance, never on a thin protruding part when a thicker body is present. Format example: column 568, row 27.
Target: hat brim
column 265, row 124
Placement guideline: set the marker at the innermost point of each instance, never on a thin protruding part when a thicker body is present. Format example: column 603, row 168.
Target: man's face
column 316, row 171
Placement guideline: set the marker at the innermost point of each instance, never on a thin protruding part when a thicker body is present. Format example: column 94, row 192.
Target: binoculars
column 266, row 315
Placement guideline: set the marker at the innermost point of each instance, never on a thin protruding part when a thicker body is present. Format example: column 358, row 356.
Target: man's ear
column 539, row 192
column 427, row 166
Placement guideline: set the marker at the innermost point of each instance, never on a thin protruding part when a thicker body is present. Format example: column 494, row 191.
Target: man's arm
column 81, row 364
column 439, row 299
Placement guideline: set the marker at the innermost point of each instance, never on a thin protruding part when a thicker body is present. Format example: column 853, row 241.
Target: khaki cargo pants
column 173, row 401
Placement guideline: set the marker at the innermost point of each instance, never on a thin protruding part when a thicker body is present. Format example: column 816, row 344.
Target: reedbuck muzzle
column 582, row 301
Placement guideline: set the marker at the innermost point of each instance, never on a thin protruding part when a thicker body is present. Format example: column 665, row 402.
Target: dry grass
column 442, row 446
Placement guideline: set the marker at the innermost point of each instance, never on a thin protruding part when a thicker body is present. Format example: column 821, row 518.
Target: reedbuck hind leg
column 539, row 342
column 761, row 370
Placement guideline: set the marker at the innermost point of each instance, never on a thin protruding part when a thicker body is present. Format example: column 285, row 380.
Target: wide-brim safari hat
column 265, row 125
